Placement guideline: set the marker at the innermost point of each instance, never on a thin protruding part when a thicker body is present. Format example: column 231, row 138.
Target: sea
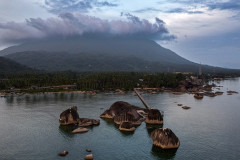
column 210, row 129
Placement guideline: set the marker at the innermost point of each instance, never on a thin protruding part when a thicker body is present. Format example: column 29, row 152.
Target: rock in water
column 165, row 138
column 126, row 126
column 63, row 153
column 198, row 96
column 85, row 122
column 69, row 116
column 186, row 107
column 122, row 111
column 89, row 157
column 154, row 117
column 80, row 130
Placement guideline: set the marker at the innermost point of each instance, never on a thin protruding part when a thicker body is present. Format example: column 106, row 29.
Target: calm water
column 209, row 130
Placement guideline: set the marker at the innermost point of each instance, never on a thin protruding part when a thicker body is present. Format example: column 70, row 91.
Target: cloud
column 68, row 24
column 149, row 9
column 229, row 5
column 61, row 6
column 181, row 10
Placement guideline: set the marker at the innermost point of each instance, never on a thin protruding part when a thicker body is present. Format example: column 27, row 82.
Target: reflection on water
column 163, row 154
column 66, row 131
column 110, row 123
column 152, row 127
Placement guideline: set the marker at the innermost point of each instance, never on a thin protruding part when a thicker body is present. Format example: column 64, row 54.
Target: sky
column 203, row 31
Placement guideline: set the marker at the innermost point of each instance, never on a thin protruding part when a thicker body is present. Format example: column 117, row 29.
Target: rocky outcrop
column 232, row 92
column 127, row 126
column 154, row 117
column 88, row 157
column 198, row 96
column 122, row 111
column 63, row 153
column 219, row 93
column 186, row 107
column 85, row 122
column 165, row 138
column 210, row 94
column 80, row 130
column 69, row 116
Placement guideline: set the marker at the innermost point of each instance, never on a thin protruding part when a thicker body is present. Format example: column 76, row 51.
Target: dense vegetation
column 89, row 81
column 10, row 66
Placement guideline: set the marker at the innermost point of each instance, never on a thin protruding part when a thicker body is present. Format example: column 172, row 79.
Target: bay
column 29, row 128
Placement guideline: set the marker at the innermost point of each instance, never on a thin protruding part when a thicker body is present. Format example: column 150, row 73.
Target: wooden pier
column 143, row 101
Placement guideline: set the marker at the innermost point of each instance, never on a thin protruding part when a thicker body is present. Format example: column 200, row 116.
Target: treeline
column 91, row 81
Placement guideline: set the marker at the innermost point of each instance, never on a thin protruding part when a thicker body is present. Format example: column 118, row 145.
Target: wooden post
column 140, row 97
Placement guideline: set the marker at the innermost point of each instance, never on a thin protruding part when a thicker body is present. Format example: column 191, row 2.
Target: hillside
column 9, row 66
column 101, row 54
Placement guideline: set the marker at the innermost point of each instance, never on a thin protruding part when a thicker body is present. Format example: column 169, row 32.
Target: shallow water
column 209, row 130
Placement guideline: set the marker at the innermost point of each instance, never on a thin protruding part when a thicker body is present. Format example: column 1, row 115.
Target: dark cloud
column 61, row 6
column 68, row 24
column 105, row 3
column 181, row 10
column 229, row 5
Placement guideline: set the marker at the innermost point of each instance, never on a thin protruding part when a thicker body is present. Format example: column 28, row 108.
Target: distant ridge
column 102, row 54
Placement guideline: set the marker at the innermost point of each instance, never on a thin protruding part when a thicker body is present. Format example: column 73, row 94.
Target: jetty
column 141, row 98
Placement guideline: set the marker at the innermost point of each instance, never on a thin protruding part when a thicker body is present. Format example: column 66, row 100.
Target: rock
column 63, row 153
column 88, row 150
column 69, row 116
column 186, row 107
column 154, row 117
column 198, row 96
column 179, row 104
column 122, row 111
column 128, row 117
column 80, row 130
column 85, row 122
column 127, row 126
column 165, row 138
column 210, row 94
column 218, row 93
column 231, row 92
column 89, row 157
column 207, row 88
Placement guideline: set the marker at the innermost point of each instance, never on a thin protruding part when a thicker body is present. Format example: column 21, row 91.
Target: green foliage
column 89, row 81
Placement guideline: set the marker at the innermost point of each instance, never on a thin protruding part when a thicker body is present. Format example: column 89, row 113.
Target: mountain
column 9, row 66
column 100, row 54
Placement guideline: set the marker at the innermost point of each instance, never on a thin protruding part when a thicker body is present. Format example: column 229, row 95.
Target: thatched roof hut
column 69, row 116
column 154, row 117
column 165, row 138
column 127, row 126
